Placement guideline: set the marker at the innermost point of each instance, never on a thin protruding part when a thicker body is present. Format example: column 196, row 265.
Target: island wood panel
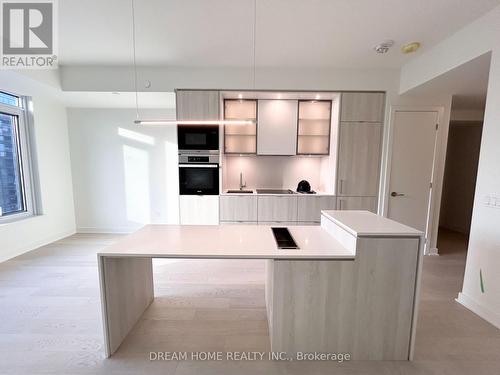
column 363, row 307
column 126, row 291
column 238, row 208
column 277, row 208
column 362, row 106
column 359, row 159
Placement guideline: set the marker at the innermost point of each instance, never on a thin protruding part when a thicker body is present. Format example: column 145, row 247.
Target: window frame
column 29, row 177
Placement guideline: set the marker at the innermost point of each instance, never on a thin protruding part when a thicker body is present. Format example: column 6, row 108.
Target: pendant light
column 139, row 121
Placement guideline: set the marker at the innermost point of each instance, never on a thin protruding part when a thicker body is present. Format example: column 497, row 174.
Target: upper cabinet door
column 197, row 105
column 277, row 127
column 359, row 159
column 362, row 106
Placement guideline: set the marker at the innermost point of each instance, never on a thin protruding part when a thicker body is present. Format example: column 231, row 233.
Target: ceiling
column 468, row 83
column 289, row 33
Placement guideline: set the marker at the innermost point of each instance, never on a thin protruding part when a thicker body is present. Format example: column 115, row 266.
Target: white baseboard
column 111, row 230
column 484, row 312
column 36, row 244
column 433, row 251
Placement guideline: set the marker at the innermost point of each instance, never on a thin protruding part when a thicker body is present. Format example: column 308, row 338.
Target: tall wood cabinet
column 197, row 105
column 360, row 145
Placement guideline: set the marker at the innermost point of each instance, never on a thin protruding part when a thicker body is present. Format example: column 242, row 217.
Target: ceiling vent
column 384, row 46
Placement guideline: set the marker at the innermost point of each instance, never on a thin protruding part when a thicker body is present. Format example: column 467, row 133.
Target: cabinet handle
column 341, row 186
column 341, row 205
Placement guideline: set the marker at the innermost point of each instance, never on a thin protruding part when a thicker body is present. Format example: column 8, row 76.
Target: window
column 17, row 197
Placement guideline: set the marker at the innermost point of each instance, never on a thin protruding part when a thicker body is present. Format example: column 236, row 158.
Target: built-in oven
column 198, row 174
column 198, row 137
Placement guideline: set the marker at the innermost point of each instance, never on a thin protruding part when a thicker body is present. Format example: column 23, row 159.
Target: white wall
column 51, row 138
column 124, row 175
column 483, row 257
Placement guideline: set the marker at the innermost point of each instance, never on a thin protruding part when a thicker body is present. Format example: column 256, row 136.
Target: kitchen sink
column 240, row 191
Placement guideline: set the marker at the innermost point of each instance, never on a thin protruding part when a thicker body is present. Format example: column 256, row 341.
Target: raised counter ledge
column 367, row 224
column 227, row 241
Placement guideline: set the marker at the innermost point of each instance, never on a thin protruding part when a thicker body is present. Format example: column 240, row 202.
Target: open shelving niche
column 240, row 139
column 313, row 131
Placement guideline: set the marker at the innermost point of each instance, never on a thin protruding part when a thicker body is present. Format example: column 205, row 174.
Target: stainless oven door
column 199, row 179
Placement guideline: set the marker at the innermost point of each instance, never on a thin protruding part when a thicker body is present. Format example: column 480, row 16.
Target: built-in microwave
column 198, row 137
column 198, row 174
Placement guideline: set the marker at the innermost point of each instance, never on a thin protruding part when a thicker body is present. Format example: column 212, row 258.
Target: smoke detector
column 384, row 46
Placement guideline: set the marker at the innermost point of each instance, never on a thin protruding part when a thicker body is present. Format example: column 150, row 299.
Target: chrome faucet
column 242, row 185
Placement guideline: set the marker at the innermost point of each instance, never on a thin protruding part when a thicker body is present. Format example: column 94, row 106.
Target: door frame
column 432, row 225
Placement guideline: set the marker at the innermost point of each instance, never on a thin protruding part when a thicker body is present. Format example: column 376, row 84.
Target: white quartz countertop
column 226, row 242
column 295, row 194
column 364, row 223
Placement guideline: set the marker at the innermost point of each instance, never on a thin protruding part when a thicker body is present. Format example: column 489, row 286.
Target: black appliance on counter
column 198, row 173
column 198, row 137
column 304, row 187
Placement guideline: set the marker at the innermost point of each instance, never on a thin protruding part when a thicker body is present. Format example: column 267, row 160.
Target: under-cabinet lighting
column 194, row 122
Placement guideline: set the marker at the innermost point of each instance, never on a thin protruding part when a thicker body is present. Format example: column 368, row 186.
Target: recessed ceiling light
column 240, row 96
column 410, row 47
column 384, row 46
column 317, row 96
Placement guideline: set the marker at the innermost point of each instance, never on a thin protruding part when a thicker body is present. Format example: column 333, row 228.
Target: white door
column 414, row 143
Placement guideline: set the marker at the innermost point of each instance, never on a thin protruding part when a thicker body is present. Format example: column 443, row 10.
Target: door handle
column 394, row 194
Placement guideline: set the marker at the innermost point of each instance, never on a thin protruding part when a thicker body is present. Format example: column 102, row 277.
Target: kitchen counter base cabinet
column 277, row 208
column 362, row 307
column 237, row 208
column 199, row 209
column 309, row 207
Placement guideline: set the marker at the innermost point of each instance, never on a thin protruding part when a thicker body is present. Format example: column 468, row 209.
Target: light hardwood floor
column 50, row 319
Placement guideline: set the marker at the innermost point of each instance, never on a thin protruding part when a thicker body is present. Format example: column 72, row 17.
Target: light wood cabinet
column 357, row 203
column 313, row 131
column 197, row 105
column 277, row 127
column 359, row 159
column 309, row 207
column 238, row 208
column 240, row 139
column 362, row 106
column 276, row 208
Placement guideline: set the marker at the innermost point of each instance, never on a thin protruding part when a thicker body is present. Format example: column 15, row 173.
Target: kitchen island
column 351, row 287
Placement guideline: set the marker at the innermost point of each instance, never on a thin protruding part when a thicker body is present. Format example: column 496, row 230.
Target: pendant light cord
column 135, row 62
column 254, row 38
